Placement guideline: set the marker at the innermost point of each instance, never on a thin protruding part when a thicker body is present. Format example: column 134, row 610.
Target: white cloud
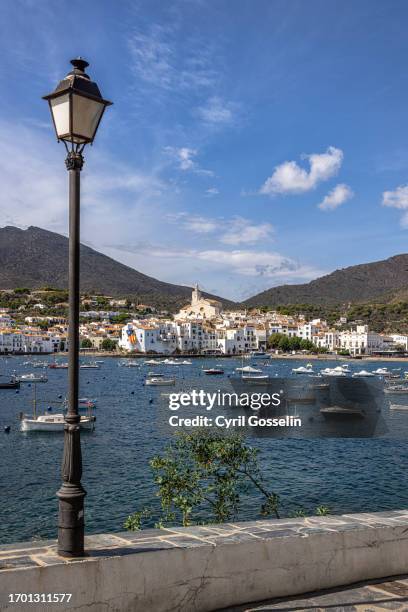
column 184, row 157
column 161, row 58
column 245, row 262
column 217, row 111
column 116, row 198
column 234, row 231
column 242, row 231
column 398, row 199
column 291, row 178
column 212, row 191
column 337, row 196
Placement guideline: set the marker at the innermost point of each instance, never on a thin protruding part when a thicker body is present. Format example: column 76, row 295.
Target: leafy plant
column 205, row 471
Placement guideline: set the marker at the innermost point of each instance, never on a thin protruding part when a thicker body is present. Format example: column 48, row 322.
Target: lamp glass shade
column 76, row 117
column 86, row 114
column 60, row 113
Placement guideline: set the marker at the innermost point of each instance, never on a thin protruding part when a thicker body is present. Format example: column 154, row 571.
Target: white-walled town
column 200, row 327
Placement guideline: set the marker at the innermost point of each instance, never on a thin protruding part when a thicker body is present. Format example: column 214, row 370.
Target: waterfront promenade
column 223, row 566
column 368, row 596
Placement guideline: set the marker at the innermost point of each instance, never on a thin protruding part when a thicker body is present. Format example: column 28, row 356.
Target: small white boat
column 158, row 381
column 258, row 354
column 384, row 372
column 53, row 422
column 92, row 365
column 86, row 401
column 186, row 362
column 152, row 362
column 332, row 372
column 254, row 377
column 249, row 370
column 396, row 390
column 363, row 374
column 213, row 371
column 171, row 362
column 398, row 407
column 303, row 370
column 58, row 366
column 129, row 364
column 40, row 364
column 32, row 378
column 344, row 369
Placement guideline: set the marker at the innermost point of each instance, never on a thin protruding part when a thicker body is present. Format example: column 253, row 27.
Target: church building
column 200, row 307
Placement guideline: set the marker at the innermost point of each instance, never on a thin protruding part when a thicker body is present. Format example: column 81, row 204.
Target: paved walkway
column 371, row 596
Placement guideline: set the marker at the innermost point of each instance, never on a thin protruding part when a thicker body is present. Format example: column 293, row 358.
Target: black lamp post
column 76, row 107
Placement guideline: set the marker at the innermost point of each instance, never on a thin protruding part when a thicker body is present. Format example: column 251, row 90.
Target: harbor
column 129, row 430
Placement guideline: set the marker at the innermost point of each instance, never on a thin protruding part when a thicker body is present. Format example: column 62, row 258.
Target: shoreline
column 308, row 356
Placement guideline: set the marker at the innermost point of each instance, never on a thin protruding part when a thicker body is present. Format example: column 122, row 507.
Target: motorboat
column 254, row 377
column 86, row 401
column 340, row 412
column 258, row 354
column 249, row 370
column 58, row 366
column 186, row 362
column 129, row 364
column 363, row 374
column 32, row 378
column 53, row 422
column 92, row 365
column 385, row 372
column 13, row 383
column 39, row 364
column 213, row 372
column 396, row 389
column 159, row 381
column 152, row 362
column 342, row 368
column 332, row 372
column 398, row 407
column 303, row 370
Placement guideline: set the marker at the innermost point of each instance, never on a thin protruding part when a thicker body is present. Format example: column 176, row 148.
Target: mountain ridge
column 35, row 257
column 379, row 280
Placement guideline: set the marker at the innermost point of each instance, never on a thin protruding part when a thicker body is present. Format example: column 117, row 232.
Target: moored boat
column 303, row 370
column 159, row 381
column 249, row 370
column 363, row 374
column 92, row 365
column 53, row 422
column 32, row 378
column 213, row 372
column 13, row 383
column 396, row 389
column 58, row 366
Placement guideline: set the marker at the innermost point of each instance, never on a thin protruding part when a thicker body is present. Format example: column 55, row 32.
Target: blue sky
column 251, row 143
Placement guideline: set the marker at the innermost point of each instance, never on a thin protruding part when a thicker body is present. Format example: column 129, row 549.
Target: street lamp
column 76, row 107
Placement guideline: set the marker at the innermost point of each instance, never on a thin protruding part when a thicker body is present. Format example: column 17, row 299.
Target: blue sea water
column 348, row 475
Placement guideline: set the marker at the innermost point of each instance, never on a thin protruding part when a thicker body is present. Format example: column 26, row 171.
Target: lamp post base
column 71, row 522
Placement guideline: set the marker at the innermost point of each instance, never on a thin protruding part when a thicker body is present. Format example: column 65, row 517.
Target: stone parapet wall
column 206, row 568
